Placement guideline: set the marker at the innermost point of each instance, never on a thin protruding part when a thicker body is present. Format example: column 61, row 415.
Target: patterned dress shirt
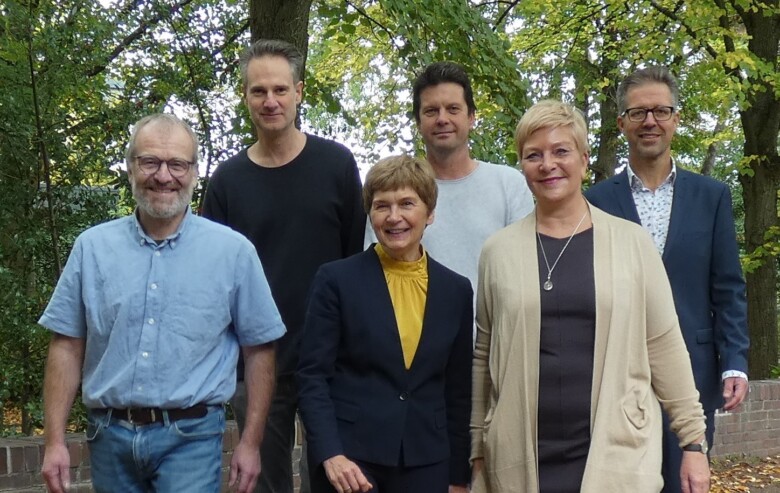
column 654, row 206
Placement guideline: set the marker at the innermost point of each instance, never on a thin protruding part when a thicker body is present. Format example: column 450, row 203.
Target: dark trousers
column 673, row 454
column 276, row 474
column 432, row 478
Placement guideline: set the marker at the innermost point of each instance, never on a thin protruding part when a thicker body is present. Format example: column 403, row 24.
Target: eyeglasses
column 150, row 165
column 660, row 113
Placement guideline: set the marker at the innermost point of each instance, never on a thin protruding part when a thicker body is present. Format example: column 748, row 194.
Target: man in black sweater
column 297, row 197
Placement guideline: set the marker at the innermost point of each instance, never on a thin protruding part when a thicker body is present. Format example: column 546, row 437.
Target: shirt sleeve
column 66, row 313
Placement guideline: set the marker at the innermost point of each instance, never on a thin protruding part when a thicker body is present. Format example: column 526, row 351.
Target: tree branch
column 501, row 17
column 134, row 36
column 373, row 21
column 695, row 37
column 40, row 137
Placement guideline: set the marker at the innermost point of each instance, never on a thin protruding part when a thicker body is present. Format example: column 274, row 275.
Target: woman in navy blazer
column 385, row 369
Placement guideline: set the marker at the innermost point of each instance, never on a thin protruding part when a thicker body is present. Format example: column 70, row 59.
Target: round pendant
column 547, row 285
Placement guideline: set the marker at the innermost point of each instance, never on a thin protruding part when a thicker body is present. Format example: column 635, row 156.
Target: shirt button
column 151, row 321
column 157, row 253
column 173, row 244
column 153, row 286
column 145, row 354
column 140, row 388
column 403, row 396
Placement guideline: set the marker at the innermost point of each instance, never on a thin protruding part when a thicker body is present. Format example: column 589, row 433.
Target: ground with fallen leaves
column 733, row 475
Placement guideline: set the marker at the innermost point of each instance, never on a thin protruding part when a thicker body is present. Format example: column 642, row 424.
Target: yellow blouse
column 408, row 286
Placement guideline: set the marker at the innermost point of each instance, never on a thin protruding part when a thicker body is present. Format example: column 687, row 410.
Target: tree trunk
column 761, row 125
column 609, row 135
column 606, row 160
column 287, row 20
column 712, row 152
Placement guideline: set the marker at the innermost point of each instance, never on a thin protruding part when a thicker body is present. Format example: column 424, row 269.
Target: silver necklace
column 548, row 285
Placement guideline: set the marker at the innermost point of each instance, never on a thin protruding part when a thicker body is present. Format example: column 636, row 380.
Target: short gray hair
column 272, row 47
column 655, row 74
column 167, row 119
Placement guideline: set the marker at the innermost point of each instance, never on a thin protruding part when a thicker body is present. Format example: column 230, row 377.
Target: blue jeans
column 185, row 455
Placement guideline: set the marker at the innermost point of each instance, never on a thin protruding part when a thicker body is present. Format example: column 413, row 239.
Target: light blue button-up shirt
column 163, row 321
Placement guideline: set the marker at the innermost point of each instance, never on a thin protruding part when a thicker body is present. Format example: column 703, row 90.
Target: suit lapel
column 434, row 301
column 624, row 197
column 680, row 204
column 384, row 314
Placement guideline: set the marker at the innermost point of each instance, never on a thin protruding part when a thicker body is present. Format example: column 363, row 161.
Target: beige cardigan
column 639, row 359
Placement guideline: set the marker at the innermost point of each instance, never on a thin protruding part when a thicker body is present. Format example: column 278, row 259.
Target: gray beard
column 177, row 207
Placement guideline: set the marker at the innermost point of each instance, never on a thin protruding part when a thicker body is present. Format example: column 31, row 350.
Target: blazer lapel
column 680, row 204
column 383, row 312
column 435, row 301
column 624, row 198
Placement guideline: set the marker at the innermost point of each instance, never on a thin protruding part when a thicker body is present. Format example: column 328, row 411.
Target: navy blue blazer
column 702, row 261
column 356, row 396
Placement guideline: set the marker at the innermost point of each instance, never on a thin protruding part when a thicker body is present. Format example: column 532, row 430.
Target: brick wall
column 753, row 431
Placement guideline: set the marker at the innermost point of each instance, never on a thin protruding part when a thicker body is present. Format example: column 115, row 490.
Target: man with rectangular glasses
column 689, row 217
column 149, row 315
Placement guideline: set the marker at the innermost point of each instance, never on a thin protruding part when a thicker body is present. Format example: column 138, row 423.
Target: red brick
column 5, row 462
column 85, row 473
column 16, row 459
column 32, row 461
column 74, row 449
column 15, row 481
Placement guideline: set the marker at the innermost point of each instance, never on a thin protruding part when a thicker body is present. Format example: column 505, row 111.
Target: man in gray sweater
column 476, row 198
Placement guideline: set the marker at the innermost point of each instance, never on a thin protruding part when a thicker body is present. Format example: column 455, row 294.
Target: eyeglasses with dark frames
column 150, row 165
column 660, row 113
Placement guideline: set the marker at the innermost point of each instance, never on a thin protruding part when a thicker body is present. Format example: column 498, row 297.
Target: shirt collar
column 171, row 240
column 635, row 183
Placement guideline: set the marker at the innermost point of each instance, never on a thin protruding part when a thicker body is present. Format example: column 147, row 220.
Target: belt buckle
column 152, row 416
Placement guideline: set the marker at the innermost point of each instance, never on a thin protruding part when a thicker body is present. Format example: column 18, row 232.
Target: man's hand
column 244, row 467
column 345, row 475
column 734, row 391
column 458, row 489
column 56, row 468
column 695, row 473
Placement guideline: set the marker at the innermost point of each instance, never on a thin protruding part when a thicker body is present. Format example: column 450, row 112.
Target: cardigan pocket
column 636, row 407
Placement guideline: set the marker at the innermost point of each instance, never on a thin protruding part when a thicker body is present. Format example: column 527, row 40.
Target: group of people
column 482, row 340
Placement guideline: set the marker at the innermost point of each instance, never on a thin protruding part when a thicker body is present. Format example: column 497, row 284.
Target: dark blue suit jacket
column 702, row 261
column 356, row 396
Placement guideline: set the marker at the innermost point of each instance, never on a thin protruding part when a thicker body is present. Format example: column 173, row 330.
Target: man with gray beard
column 149, row 315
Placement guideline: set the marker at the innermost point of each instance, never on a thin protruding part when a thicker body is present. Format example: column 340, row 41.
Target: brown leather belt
column 148, row 415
